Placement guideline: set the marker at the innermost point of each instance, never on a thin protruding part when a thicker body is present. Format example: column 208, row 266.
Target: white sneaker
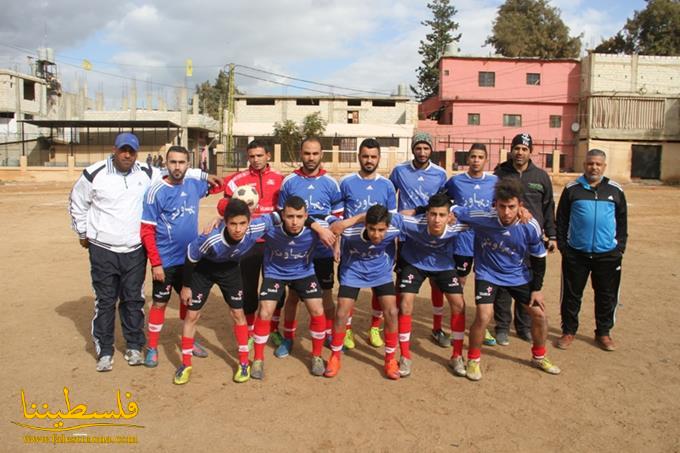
column 457, row 364
column 105, row 363
column 133, row 357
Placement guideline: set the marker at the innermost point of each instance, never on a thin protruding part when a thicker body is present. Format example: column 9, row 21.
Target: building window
column 387, row 142
column 446, row 72
column 260, row 101
column 29, row 90
column 384, row 103
column 473, row 119
column 354, row 102
column 487, row 79
column 6, row 117
column 461, row 158
column 353, row 117
column 533, row 78
column 510, row 120
column 307, row 101
column 555, row 121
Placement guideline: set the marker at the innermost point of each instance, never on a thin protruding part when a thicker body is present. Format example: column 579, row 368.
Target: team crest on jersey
column 270, row 182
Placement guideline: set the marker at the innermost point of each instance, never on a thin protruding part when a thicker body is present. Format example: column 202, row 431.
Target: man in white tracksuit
column 106, row 208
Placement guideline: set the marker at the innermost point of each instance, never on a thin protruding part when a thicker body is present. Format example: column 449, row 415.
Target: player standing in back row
column 416, row 181
column 322, row 196
column 360, row 191
column 169, row 224
column 267, row 182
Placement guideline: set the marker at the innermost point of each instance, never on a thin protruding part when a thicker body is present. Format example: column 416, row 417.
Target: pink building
column 491, row 99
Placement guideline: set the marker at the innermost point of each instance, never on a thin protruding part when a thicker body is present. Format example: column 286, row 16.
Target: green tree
column 532, row 28
column 313, row 125
column 653, row 31
column 442, row 29
column 212, row 96
column 290, row 134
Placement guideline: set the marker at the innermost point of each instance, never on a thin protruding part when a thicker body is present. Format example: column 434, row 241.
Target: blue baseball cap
column 127, row 139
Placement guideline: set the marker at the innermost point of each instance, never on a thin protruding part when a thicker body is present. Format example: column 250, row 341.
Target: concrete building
column 22, row 96
column 630, row 108
column 390, row 119
column 491, row 99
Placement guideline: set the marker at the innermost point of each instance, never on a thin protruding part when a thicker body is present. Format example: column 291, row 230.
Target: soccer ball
column 248, row 194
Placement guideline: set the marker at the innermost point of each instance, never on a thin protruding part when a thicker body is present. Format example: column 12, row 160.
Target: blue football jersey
column 416, row 186
column 501, row 251
column 289, row 257
column 473, row 193
column 173, row 210
column 321, row 194
column 214, row 246
column 423, row 250
column 359, row 194
column 364, row 264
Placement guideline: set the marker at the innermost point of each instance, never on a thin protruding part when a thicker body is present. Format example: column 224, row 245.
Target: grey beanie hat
column 422, row 137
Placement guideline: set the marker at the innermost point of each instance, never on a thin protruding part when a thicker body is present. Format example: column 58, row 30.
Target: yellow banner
column 190, row 67
column 86, row 64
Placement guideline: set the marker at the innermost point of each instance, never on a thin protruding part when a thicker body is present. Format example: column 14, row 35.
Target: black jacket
column 538, row 193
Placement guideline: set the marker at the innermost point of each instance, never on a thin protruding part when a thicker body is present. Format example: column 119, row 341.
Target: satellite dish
column 575, row 127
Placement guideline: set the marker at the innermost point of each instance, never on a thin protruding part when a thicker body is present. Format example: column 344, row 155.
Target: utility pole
column 230, row 117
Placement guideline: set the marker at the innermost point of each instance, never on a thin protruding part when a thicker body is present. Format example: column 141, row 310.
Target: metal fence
column 542, row 153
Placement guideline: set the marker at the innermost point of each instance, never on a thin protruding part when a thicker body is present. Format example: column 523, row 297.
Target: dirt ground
column 628, row 400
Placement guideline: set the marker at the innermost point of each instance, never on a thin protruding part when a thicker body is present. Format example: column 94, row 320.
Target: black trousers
column 605, row 274
column 117, row 276
column 502, row 313
column 251, row 268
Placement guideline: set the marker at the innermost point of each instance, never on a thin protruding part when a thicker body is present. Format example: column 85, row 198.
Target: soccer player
column 169, row 223
column 472, row 189
column 592, row 230
column 502, row 244
column 367, row 262
column 538, row 199
column 416, row 181
column 360, row 191
column 322, row 197
column 213, row 258
column 267, row 182
column 288, row 261
column 426, row 253
column 105, row 205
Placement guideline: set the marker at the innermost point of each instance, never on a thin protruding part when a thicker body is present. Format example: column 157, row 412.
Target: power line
column 383, row 93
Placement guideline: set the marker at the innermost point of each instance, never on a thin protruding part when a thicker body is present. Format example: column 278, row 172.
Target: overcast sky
column 355, row 44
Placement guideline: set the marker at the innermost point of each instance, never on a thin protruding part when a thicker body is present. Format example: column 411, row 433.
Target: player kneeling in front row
column 213, row 258
column 426, row 253
column 366, row 263
column 502, row 243
column 288, row 262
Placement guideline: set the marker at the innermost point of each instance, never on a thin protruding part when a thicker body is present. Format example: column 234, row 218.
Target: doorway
column 646, row 163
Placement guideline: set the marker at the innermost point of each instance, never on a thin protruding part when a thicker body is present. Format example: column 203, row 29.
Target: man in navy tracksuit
column 591, row 234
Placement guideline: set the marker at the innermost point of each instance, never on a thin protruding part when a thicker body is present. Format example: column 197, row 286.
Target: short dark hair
column 508, row 188
column 235, row 208
column 177, row 149
column 256, row 144
column 479, row 146
column 439, row 200
column 295, row 202
column 597, row 152
column 378, row 214
column 369, row 143
column 311, row 139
